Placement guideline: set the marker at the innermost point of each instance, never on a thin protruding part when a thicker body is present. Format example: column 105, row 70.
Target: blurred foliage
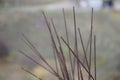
column 25, row 2
column 115, row 75
column 41, row 72
column 30, row 77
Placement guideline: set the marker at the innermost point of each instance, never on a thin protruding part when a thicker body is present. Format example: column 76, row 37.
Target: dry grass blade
column 54, row 53
column 91, row 42
column 85, row 54
column 86, row 49
column 76, row 46
column 95, row 57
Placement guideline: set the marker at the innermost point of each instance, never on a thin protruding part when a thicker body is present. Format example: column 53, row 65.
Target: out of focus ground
column 29, row 20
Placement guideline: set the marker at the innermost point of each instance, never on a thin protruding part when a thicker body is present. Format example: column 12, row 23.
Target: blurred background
column 24, row 16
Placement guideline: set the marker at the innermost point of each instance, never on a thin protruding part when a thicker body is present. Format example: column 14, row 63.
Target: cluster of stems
column 74, row 69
